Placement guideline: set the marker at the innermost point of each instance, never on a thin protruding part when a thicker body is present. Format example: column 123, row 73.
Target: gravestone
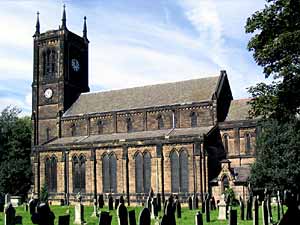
column 148, row 203
column 193, row 202
column 105, row 218
column 222, row 208
column 249, row 208
column 198, row 219
column 132, row 220
column 100, row 201
column 232, row 217
column 278, row 206
column 268, row 204
column 213, row 203
column 264, row 208
column 9, row 214
column 178, row 209
column 242, row 209
column 190, row 203
column 255, row 211
column 32, row 206
column 122, row 201
column 154, row 211
column 43, row 216
column 25, row 205
column 158, row 202
column 144, row 218
column 64, row 220
column 117, row 202
column 207, row 209
column 170, row 212
column 110, row 203
column 164, row 220
column 151, row 193
column 79, row 213
column 18, row 220
column 122, row 215
column 197, row 202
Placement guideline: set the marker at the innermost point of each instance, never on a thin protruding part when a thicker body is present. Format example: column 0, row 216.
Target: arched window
column 194, row 118
column 51, row 174
column 113, row 173
column 78, row 174
column 48, row 134
column 225, row 183
column 184, row 172
column 139, row 173
column 129, row 124
column 174, row 171
column 225, row 142
column 100, row 127
column 73, row 130
column 247, row 143
column 160, row 122
column 105, row 173
column 147, row 172
column 50, row 57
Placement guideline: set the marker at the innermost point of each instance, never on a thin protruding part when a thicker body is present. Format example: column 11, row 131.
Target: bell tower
column 60, row 75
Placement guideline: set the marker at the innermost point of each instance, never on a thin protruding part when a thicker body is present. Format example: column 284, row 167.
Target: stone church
column 188, row 137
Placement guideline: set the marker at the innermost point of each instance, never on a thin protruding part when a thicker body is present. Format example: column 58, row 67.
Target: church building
column 188, row 137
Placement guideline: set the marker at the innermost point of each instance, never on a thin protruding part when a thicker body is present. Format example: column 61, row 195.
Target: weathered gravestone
column 122, row 201
column 198, row 219
column 264, row 213
column 148, row 203
column 100, row 201
column 213, row 203
column 144, row 218
column 269, row 209
column 232, row 217
column 170, row 212
column 164, row 220
column 9, row 214
column 242, row 209
column 110, row 203
column 79, row 213
column 132, row 220
column 117, row 202
column 222, row 208
column 190, row 203
column 64, row 220
column 193, row 202
column 158, row 202
column 278, row 206
column 105, row 218
column 25, row 205
column 255, row 211
column 32, row 206
column 197, row 202
column 154, row 211
column 43, row 216
column 18, row 220
column 207, row 209
column 122, row 215
column 249, row 208
column 178, row 208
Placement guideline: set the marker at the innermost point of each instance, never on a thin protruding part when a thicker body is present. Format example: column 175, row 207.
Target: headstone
column 197, row 202
column 190, row 203
column 203, row 206
column 122, row 201
column 232, row 217
column 132, row 220
column 198, row 219
column 79, row 213
column 178, row 209
column 222, row 208
column 9, row 214
column 18, row 220
column 213, row 203
column 144, row 218
column 164, row 220
column 255, row 211
column 158, row 202
column 249, row 208
column 117, row 201
column 264, row 213
column 207, row 209
column 268, row 204
column 242, row 209
column 43, row 216
column 154, row 211
column 100, row 201
column 105, row 218
column 148, row 203
column 7, row 199
column 193, row 202
column 278, row 206
column 151, row 193
column 122, row 215
column 110, row 203
column 64, row 220
column 25, row 207
column 32, row 206
column 170, row 212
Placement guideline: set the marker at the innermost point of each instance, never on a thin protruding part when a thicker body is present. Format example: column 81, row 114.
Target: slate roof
column 238, row 110
column 142, row 135
column 182, row 92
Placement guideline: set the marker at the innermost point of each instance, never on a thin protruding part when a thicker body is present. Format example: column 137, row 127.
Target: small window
column 247, row 143
column 73, row 130
column 129, row 124
column 100, row 127
column 160, row 122
column 193, row 119
column 225, row 142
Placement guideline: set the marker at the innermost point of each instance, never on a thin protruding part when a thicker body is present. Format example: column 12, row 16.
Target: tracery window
column 194, row 119
column 78, row 174
column 50, row 57
column 143, row 172
column 174, row 172
column 184, row 173
column 51, row 174
column 109, row 173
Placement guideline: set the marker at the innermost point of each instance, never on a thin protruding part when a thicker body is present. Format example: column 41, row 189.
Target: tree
column 276, row 47
column 15, row 149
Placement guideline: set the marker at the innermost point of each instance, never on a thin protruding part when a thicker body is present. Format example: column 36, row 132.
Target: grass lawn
column 188, row 216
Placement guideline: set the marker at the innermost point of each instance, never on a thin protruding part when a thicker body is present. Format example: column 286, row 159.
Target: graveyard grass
column 188, row 216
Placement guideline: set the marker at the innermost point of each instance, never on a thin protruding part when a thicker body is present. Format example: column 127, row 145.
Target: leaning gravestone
column 222, row 208
column 178, row 209
column 18, row 220
column 132, row 220
column 105, row 218
column 232, row 217
column 9, row 214
column 110, row 203
column 190, row 203
column 145, row 217
column 242, row 209
column 100, row 201
column 255, row 211
column 64, row 220
column 198, row 219
column 122, row 215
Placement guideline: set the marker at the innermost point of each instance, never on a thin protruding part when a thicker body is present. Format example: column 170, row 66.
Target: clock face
column 48, row 93
column 75, row 65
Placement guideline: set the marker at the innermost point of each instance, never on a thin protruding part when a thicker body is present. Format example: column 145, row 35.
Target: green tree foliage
column 44, row 194
column 15, row 148
column 276, row 47
column 278, row 156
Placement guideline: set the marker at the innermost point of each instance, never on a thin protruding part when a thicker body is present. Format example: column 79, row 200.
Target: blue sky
column 133, row 42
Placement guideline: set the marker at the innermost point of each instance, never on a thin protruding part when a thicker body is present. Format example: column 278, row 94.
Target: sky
column 133, row 42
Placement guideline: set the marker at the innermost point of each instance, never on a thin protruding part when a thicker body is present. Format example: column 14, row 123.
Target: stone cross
column 144, row 218
column 122, row 215
column 79, row 213
column 232, row 217
column 64, row 220
column 105, row 218
column 222, row 208
column 132, row 220
column 198, row 219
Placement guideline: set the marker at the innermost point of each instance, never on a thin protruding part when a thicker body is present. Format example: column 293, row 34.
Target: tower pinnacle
column 64, row 25
column 37, row 26
column 84, row 29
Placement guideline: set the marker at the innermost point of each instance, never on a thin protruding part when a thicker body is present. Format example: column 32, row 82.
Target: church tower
column 60, row 75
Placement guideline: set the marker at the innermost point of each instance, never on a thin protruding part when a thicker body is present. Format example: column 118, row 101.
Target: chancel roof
column 183, row 92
